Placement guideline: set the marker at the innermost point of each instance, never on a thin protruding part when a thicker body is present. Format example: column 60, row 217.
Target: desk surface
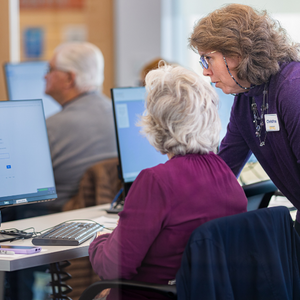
column 49, row 254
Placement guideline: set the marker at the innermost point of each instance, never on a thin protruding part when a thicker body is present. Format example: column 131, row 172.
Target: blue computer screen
column 26, row 173
column 25, row 80
column 225, row 104
column 135, row 152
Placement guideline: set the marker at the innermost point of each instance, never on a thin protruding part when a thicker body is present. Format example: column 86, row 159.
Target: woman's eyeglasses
column 203, row 60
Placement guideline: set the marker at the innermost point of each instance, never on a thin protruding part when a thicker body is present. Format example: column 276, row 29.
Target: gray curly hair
column 181, row 112
column 240, row 30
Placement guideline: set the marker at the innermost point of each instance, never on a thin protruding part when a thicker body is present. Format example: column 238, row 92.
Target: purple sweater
column 280, row 157
column 164, row 205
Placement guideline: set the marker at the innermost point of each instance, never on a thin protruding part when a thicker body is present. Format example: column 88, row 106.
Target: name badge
column 271, row 122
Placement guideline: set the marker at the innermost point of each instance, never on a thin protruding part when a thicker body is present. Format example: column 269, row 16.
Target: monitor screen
column 26, row 174
column 135, row 152
column 225, row 104
column 25, row 80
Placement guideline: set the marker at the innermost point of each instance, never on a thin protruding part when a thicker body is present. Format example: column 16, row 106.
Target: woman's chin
column 225, row 90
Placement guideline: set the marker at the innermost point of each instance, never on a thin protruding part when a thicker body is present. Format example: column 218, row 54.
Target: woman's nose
column 207, row 72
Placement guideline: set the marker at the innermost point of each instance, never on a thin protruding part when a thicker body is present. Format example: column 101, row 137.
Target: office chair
column 169, row 291
column 98, row 185
column 259, row 194
column 253, row 255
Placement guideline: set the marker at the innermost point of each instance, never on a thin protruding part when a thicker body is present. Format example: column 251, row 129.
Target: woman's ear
column 71, row 79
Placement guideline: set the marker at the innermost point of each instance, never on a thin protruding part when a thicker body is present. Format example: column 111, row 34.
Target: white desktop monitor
column 135, row 152
column 25, row 80
column 26, row 174
column 225, row 105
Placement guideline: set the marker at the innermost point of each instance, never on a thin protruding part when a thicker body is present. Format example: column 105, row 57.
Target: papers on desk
column 107, row 222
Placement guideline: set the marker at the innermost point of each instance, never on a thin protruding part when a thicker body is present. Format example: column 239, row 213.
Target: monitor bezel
column 126, row 185
column 18, row 197
column 6, row 64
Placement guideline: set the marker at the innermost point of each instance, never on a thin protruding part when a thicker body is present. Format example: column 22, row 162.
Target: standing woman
column 245, row 52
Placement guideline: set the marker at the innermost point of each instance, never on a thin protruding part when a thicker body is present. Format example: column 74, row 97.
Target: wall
column 133, row 39
column 52, row 22
column 93, row 22
column 195, row 6
column 99, row 20
column 4, row 36
column 137, row 37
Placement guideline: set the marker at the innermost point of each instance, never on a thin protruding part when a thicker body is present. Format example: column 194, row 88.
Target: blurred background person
column 151, row 65
column 83, row 132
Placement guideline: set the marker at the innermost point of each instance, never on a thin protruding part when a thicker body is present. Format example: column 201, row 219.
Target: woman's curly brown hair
column 240, row 30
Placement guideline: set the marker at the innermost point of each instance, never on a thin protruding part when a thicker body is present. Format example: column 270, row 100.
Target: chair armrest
column 97, row 287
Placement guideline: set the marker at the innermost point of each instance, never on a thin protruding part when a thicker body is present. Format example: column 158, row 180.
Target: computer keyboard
column 67, row 234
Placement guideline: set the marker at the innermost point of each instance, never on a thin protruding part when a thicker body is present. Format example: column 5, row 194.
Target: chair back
column 253, row 255
column 99, row 185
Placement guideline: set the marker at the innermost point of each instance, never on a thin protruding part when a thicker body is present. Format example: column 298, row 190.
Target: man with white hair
column 83, row 132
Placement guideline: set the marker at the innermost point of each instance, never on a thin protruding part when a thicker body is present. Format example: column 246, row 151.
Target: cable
column 17, row 234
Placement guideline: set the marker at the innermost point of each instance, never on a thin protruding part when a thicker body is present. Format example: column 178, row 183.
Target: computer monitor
column 26, row 174
column 135, row 152
column 225, row 104
column 25, row 80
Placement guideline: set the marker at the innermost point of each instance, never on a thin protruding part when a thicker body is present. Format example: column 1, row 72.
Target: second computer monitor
column 26, row 174
column 25, row 80
column 135, row 152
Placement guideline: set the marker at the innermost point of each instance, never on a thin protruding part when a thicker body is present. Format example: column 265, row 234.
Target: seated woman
column 167, row 202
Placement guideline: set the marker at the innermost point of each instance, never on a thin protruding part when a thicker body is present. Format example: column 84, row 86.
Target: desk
column 49, row 254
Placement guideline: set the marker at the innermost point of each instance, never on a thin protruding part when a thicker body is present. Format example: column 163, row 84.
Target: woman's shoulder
column 286, row 81
column 289, row 70
column 183, row 161
column 180, row 162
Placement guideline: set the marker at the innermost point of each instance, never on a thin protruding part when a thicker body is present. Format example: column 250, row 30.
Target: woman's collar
column 256, row 91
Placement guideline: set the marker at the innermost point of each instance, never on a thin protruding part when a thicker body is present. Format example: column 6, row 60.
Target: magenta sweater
column 164, row 205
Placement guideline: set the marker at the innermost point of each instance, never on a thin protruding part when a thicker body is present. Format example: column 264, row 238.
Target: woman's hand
column 100, row 233
column 103, row 294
